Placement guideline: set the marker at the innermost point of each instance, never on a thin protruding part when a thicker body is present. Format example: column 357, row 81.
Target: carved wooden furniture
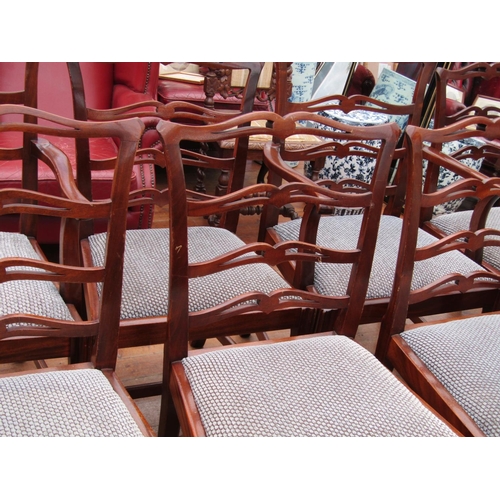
column 359, row 105
column 332, row 233
column 83, row 399
column 453, row 364
column 218, row 301
column 272, row 307
column 314, row 386
column 475, row 152
column 218, row 90
column 77, row 90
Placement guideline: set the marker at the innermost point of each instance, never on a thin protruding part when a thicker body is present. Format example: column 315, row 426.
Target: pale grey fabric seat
column 146, row 271
column 464, row 355
column 63, row 403
column 343, row 232
column 459, row 221
column 323, row 386
column 24, row 296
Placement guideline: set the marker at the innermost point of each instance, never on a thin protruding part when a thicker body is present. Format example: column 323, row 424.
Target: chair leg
column 169, row 425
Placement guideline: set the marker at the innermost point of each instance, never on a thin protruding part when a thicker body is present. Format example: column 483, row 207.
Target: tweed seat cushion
column 146, row 271
column 63, row 403
column 464, row 355
column 459, row 221
column 343, row 232
column 324, row 386
column 28, row 296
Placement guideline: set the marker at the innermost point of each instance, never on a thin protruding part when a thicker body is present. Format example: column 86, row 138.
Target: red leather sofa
column 106, row 85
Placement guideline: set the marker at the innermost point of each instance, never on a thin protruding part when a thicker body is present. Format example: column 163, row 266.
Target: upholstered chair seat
column 146, row 271
column 459, row 221
column 63, row 403
column 322, row 386
column 28, row 297
column 464, row 355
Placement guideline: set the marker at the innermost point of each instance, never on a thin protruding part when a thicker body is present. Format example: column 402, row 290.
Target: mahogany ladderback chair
column 453, row 364
column 324, row 385
column 333, row 233
column 218, row 93
column 82, row 91
column 219, row 290
column 364, row 110
column 479, row 153
column 85, row 399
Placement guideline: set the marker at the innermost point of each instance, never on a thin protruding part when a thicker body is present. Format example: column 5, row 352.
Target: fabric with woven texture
column 464, row 355
column 459, row 221
column 28, row 296
column 324, row 386
column 343, row 233
column 63, row 403
column 146, row 271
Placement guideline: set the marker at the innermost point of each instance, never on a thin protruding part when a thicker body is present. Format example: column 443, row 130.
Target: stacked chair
column 37, row 309
column 319, row 385
column 454, row 363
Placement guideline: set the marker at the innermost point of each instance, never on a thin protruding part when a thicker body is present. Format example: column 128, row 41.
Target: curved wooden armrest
column 61, row 166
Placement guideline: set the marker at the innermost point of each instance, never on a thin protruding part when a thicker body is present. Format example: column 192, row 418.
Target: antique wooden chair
column 217, row 298
column 363, row 111
column 83, row 399
column 315, row 386
column 453, row 364
column 334, row 233
column 83, row 91
column 92, row 159
column 477, row 152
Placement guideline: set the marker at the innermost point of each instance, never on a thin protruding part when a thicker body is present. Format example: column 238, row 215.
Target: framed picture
column 332, row 78
column 483, row 101
column 455, row 93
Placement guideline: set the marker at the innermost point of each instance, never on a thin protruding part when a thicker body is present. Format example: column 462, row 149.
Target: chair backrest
column 425, row 144
column 185, row 205
column 82, row 91
column 470, row 75
column 355, row 102
column 356, row 107
column 72, row 207
column 481, row 158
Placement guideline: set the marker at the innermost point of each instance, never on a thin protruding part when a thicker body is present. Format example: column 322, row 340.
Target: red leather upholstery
column 106, row 85
column 362, row 81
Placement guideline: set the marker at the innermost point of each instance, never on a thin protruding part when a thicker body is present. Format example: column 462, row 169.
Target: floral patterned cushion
column 446, row 177
column 350, row 167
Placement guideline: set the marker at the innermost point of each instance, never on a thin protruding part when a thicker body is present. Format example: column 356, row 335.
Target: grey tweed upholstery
column 343, row 232
column 25, row 296
column 63, row 403
column 324, row 386
column 459, row 221
column 146, row 271
column 464, row 355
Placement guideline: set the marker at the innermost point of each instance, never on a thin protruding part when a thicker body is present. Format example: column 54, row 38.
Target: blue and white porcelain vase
column 302, row 85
